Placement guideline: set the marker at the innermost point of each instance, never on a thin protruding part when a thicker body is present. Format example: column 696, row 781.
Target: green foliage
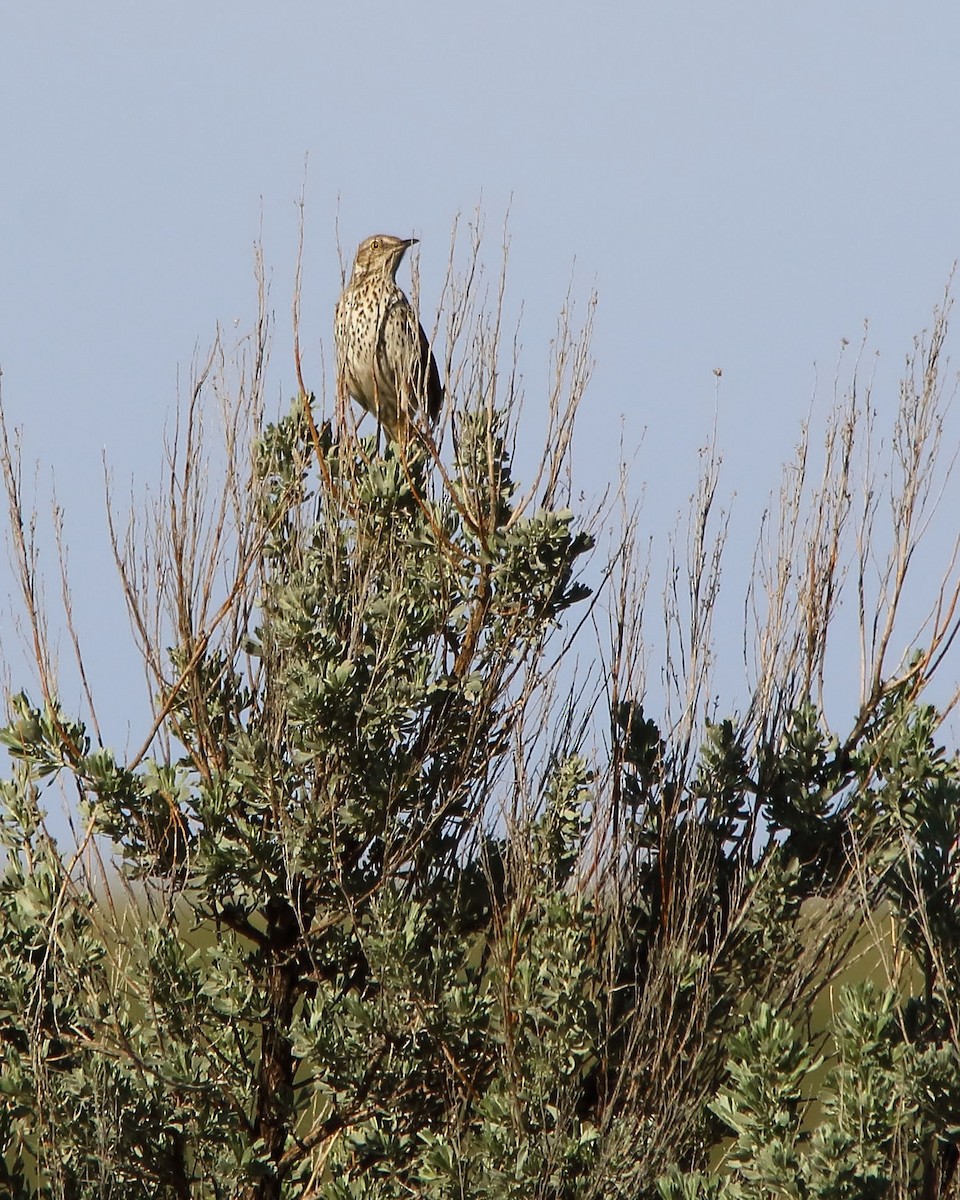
column 884, row 1100
column 343, row 966
column 389, row 919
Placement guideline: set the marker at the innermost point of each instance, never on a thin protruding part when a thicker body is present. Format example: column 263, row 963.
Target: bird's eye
column 376, row 243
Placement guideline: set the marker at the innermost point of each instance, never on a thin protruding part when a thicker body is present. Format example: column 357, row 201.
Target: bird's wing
column 432, row 392
column 419, row 367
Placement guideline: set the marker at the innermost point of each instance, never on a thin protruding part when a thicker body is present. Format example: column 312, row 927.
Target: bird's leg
column 376, row 417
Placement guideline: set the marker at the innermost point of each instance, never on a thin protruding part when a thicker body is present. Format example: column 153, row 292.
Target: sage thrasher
column 384, row 360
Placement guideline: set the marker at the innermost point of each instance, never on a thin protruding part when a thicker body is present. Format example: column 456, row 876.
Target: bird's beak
column 411, row 242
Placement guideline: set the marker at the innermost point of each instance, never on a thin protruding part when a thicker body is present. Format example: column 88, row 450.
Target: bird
column 384, row 360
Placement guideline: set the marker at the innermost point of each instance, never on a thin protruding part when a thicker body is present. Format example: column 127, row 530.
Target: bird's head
column 380, row 255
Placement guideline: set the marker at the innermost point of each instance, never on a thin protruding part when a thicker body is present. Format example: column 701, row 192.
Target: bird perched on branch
column 384, row 360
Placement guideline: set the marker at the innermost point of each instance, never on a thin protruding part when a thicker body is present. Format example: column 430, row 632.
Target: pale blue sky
column 743, row 183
